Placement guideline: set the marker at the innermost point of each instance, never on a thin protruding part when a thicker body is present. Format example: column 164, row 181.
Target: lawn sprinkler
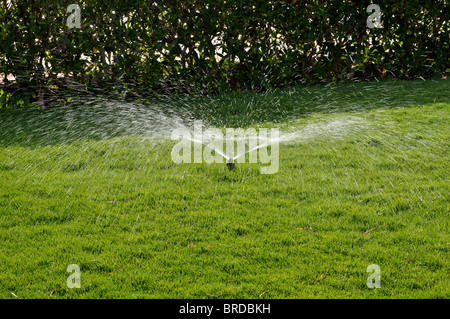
column 230, row 164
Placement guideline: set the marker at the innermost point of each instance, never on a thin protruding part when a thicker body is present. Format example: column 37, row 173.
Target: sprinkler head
column 230, row 164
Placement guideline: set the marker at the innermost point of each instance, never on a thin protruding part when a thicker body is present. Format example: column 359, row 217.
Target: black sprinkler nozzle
column 230, row 164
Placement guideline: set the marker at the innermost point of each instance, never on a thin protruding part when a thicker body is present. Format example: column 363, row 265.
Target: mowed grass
column 141, row 226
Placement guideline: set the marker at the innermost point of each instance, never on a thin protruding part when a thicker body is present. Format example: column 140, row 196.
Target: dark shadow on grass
column 160, row 115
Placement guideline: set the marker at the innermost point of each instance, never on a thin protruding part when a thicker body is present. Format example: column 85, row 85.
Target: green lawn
column 85, row 185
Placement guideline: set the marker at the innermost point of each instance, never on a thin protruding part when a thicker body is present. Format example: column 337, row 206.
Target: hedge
column 208, row 47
